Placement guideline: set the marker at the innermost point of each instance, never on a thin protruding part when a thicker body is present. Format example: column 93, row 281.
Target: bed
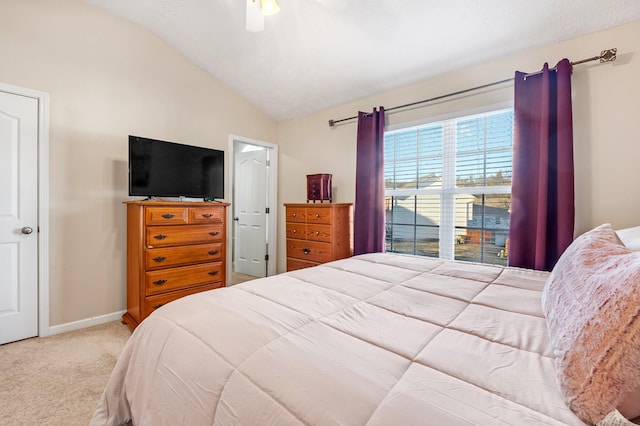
column 376, row 339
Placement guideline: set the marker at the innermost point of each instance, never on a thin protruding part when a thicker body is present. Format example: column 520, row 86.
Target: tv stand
column 173, row 249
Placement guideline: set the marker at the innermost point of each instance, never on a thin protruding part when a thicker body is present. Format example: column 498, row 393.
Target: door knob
column 26, row 230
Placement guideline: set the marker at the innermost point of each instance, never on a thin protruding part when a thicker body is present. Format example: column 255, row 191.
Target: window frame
column 448, row 190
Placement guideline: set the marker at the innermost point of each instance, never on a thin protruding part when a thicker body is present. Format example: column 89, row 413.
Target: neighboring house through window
column 448, row 188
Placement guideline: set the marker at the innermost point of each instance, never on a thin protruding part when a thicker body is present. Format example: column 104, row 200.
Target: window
column 448, row 188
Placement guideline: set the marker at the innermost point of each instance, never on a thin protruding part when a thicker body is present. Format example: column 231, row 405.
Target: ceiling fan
column 258, row 9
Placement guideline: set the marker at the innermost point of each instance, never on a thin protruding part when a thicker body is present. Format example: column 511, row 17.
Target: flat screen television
column 167, row 169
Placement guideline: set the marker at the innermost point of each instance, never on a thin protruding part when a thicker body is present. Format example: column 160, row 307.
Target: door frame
column 272, row 217
column 42, row 168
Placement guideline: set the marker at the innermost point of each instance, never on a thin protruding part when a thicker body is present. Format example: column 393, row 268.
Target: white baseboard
column 84, row 323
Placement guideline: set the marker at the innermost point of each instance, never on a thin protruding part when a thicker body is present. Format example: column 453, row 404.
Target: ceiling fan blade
column 255, row 18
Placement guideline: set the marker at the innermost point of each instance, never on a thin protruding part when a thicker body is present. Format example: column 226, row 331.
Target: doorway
column 253, row 209
column 24, row 301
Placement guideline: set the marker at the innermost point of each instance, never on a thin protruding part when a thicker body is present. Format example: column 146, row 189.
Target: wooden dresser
column 173, row 249
column 317, row 233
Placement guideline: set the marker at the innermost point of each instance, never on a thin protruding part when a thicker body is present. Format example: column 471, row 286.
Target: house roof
column 316, row 54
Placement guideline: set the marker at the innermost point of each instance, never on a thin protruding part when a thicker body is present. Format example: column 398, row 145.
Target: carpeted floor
column 58, row 380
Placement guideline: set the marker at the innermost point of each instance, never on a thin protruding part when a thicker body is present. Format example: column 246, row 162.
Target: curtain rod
column 608, row 55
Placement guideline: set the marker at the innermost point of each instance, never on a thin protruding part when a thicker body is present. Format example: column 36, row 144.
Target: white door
column 18, row 217
column 249, row 207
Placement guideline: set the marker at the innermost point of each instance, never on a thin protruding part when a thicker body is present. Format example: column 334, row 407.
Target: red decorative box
column 319, row 187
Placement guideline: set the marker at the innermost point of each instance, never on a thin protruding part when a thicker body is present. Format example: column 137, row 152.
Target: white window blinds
column 447, row 187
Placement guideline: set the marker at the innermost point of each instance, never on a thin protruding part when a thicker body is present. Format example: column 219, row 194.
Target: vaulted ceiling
column 316, row 54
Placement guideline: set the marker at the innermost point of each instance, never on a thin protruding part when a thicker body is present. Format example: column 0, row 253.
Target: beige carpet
column 237, row 278
column 58, row 380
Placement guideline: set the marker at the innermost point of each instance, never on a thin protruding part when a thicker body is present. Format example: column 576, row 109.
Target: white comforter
column 378, row 339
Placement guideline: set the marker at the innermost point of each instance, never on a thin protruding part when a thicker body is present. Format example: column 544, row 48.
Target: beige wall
column 106, row 79
column 606, row 106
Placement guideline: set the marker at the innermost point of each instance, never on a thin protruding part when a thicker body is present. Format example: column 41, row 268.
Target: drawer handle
column 159, row 259
column 212, row 252
column 295, row 231
column 212, row 272
column 207, row 215
column 317, row 232
column 159, row 282
column 317, row 216
column 160, row 237
column 168, row 216
column 158, row 305
column 214, row 233
column 294, row 214
column 306, row 251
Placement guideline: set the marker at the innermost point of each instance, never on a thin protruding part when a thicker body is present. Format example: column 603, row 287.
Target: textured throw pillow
column 592, row 304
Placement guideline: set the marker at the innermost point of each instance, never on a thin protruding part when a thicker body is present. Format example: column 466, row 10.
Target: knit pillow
column 592, row 304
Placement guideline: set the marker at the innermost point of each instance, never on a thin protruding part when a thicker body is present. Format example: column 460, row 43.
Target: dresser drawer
column 318, row 215
column 318, row 232
column 296, row 214
column 166, row 215
column 160, row 236
column 163, row 280
column 152, row 303
column 206, row 214
column 310, row 231
column 165, row 257
column 309, row 250
column 296, row 230
column 295, row 264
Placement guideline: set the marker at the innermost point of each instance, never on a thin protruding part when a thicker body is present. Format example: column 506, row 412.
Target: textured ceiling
column 315, row 54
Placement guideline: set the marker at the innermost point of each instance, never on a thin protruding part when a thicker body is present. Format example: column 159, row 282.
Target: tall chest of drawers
column 317, row 233
column 173, row 249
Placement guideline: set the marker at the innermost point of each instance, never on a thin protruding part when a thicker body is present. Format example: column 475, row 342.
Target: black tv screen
column 167, row 169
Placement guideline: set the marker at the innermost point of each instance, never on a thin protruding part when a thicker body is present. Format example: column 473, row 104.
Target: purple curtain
column 542, row 193
column 368, row 217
